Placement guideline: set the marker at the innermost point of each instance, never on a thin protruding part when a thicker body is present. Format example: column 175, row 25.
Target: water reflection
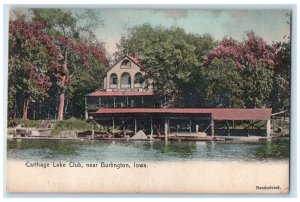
column 280, row 149
column 146, row 151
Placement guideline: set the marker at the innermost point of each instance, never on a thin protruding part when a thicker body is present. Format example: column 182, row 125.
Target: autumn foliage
column 253, row 51
column 56, row 50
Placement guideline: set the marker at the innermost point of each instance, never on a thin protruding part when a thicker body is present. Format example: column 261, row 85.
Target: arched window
column 126, row 64
column 138, row 80
column 125, row 80
column 113, row 81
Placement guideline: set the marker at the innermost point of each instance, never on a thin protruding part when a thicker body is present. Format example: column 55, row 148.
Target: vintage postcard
column 109, row 100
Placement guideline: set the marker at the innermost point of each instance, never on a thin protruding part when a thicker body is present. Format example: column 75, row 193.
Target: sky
column 271, row 25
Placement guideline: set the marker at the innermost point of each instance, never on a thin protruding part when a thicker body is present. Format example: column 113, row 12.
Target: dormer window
column 126, row 64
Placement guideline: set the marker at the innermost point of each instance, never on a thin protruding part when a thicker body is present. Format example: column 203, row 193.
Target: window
column 113, row 81
column 138, row 79
column 126, row 64
column 125, row 80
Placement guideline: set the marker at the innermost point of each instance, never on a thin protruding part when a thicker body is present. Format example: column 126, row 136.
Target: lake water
column 129, row 151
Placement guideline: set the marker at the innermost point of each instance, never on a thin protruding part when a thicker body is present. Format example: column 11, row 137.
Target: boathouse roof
column 216, row 113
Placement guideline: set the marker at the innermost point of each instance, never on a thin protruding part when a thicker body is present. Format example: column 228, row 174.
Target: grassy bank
column 74, row 124
column 25, row 123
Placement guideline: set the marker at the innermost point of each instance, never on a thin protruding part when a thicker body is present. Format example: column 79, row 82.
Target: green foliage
column 85, row 67
column 58, row 22
column 257, row 86
column 281, row 91
column 27, row 63
column 171, row 58
column 225, row 84
column 84, row 82
column 27, row 123
column 72, row 124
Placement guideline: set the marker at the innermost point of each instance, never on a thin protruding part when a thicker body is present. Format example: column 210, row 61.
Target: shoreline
column 158, row 177
column 218, row 139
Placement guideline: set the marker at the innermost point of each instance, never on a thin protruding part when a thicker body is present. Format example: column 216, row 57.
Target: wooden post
column 273, row 124
column 135, row 127
column 114, row 102
column 151, row 128
column 93, row 131
column 85, row 107
column 268, row 128
column 113, row 129
column 190, row 125
column 212, row 127
column 166, row 129
column 197, row 128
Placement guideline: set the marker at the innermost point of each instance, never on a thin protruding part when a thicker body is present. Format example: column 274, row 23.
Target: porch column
column 114, row 102
column 268, row 128
column 151, row 128
column 135, row 127
column 166, row 129
column 131, row 81
column 212, row 125
column 99, row 102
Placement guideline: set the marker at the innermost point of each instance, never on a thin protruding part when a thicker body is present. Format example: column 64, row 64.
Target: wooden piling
column 166, row 129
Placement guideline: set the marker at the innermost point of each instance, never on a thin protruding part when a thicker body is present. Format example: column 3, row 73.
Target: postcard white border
column 256, row 5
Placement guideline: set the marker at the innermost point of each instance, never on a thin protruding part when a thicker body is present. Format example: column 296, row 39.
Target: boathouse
column 126, row 106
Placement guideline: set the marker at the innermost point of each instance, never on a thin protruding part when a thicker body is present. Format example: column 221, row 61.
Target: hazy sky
column 270, row 24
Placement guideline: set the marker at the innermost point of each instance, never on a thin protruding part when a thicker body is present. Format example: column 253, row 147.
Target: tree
column 281, row 91
column 225, row 88
column 255, row 60
column 28, row 63
column 65, row 54
column 257, row 86
column 69, row 35
column 171, row 58
column 251, row 52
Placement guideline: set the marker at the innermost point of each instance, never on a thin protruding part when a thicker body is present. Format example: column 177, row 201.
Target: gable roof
column 131, row 58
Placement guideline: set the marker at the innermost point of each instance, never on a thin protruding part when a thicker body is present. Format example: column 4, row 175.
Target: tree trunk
column 64, row 79
column 61, row 106
column 25, row 107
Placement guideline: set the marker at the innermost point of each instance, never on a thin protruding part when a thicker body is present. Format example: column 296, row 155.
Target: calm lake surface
column 129, row 151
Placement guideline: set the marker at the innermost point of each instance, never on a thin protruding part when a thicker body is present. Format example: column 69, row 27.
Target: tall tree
column 255, row 61
column 73, row 40
column 225, row 84
column 63, row 45
column 29, row 62
column 281, row 92
column 170, row 57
